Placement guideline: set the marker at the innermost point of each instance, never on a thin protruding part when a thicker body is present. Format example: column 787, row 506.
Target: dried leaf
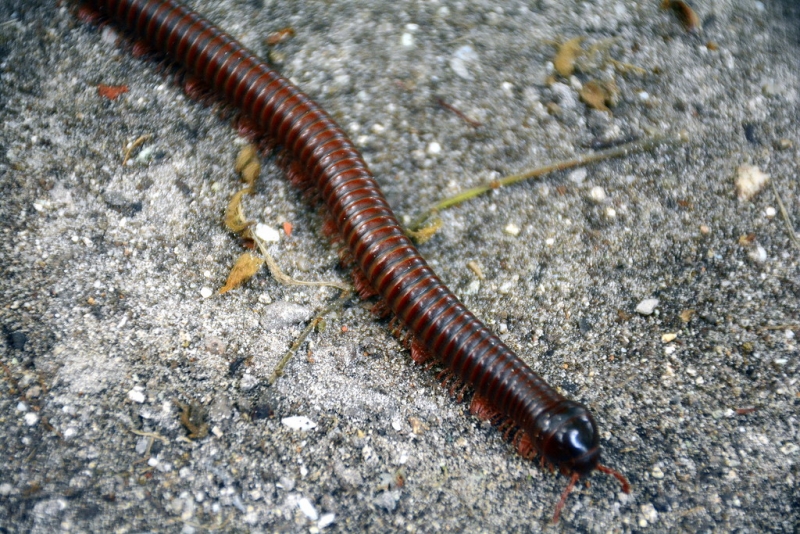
column 279, row 36
column 235, row 219
column 422, row 235
column 246, row 155
column 111, row 92
column 686, row 315
column 246, row 266
column 250, row 172
column 287, row 228
column 600, row 95
column 568, row 52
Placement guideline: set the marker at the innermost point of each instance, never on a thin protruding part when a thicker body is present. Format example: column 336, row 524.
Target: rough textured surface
column 105, row 328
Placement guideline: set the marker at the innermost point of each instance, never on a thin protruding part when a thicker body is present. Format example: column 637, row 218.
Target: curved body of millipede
column 562, row 431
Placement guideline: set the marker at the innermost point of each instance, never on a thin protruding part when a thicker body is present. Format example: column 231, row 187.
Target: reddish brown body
column 561, row 430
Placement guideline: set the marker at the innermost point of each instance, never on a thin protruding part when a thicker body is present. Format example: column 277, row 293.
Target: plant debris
column 243, row 270
column 566, row 56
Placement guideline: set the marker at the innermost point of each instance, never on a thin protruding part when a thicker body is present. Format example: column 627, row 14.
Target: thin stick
column 278, row 372
column 285, row 279
column 786, row 219
column 586, row 159
column 139, row 141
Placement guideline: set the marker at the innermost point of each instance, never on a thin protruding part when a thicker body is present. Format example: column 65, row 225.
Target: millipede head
column 569, row 439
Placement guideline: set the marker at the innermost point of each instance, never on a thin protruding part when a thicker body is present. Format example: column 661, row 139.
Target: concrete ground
column 130, row 402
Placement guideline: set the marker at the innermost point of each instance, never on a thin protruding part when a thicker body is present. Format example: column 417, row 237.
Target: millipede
column 536, row 418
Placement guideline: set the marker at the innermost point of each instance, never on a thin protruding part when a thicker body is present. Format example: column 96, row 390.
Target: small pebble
column 299, row 422
column 141, row 445
column 307, row 508
column 657, row 473
column 757, row 254
column 31, row 418
column 326, row 520
column 770, row 212
column 512, row 229
column 283, row 314
column 461, row 60
column 597, row 194
column 647, row 306
column 286, row 483
column 434, row 148
column 649, row 512
column 266, row 233
column 206, row 292
column 6, row 489
column 578, row 176
column 407, row 40
column 136, row 395
column 749, row 181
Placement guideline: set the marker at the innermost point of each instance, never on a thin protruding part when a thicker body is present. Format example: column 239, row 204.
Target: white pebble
column 206, row 292
column 749, row 181
column 299, row 422
column 649, row 512
column 70, row 432
column 326, row 520
column 578, row 176
column 434, row 148
column 136, row 395
column 266, row 234
column 549, row 241
column 407, row 40
column 6, row 489
column 657, row 473
column 611, row 213
column 461, row 58
column 647, row 306
column 597, row 194
column 307, row 508
column 644, row 96
column 757, row 254
column 512, row 229
column 770, row 212
column 31, row 418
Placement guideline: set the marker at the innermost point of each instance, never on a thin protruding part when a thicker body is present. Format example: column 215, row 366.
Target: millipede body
column 562, row 431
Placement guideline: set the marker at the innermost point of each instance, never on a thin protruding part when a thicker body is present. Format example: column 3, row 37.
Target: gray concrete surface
column 105, row 328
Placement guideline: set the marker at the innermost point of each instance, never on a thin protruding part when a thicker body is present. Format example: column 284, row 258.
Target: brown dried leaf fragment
column 243, row 270
column 193, row 419
column 111, row 92
column 279, row 36
column 250, row 173
column 686, row 315
column 235, row 219
column 568, row 52
column 687, row 16
column 600, row 95
column 246, row 155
